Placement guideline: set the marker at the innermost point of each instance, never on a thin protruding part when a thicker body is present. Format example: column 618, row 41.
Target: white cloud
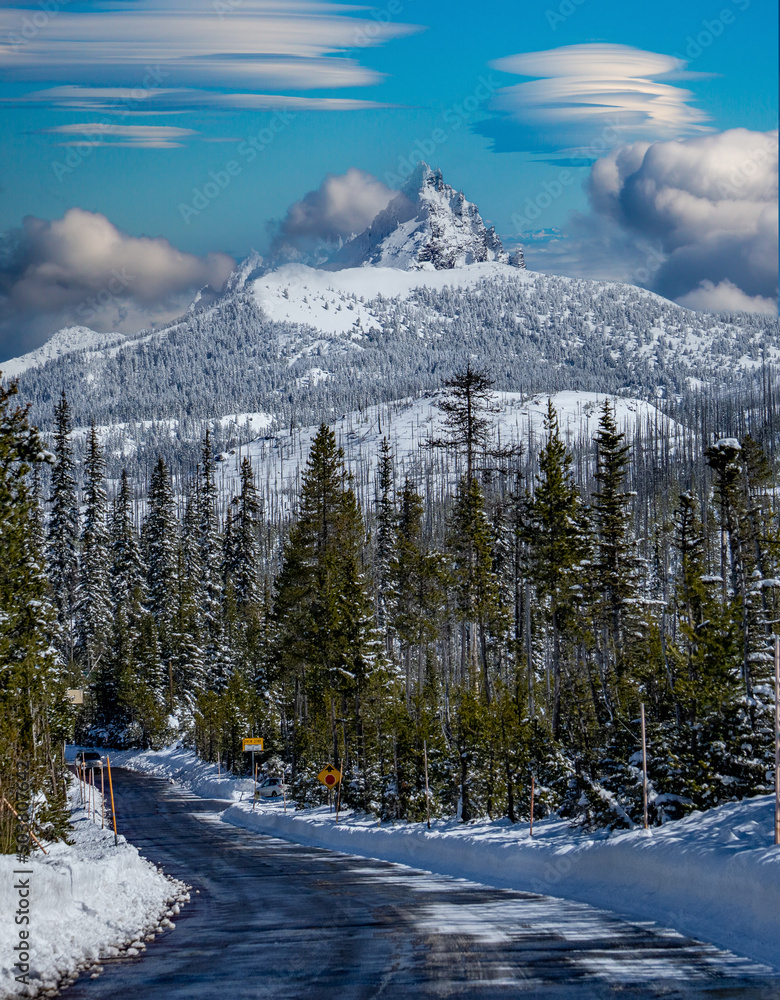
column 129, row 101
column 276, row 44
column 585, row 90
column 343, row 204
column 694, row 219
column 82, row 269
column 140, row 136
column 726, row 297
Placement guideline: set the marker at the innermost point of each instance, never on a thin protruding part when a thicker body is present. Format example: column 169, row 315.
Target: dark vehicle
column 88, row 759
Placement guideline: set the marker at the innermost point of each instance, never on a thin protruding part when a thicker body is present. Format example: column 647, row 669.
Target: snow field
column 89, row 901
column 714, row 875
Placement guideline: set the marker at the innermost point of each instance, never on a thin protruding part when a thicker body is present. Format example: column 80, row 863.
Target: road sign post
column 251, row 744
column 330, row 776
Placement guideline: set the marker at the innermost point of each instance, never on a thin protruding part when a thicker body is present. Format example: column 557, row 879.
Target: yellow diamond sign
column 330, row 776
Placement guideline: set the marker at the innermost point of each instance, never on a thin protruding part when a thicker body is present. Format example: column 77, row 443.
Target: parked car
column 271, row 788
column 88, row 759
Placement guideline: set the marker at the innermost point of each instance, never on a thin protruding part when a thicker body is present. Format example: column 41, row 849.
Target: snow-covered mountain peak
column 428, row 226
column 249, row 268
column 69, row 340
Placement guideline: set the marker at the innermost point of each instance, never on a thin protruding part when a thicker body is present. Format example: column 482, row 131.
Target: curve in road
column 271, row 920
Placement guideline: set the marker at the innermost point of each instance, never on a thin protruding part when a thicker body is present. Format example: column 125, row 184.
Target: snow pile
column 713, row 875
column 206, row 780
column 88, row 901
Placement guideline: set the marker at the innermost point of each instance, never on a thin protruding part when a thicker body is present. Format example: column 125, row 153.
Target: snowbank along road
column 271, row 919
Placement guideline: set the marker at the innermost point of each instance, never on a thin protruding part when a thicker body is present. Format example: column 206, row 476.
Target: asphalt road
column 270, row 919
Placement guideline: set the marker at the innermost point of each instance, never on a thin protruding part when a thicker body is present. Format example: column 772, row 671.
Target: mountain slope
column 304, row 345
column 298, row 344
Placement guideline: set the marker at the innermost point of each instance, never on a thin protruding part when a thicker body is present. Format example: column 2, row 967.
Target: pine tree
column 416, row 581
column 63, row 534
column 554, row 536
column 93, row 606
column 160, row 538
column 467, row 407
column 32, row 709
column 614, row 560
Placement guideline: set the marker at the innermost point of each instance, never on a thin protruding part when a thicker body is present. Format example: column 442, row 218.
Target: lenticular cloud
column 583, row 90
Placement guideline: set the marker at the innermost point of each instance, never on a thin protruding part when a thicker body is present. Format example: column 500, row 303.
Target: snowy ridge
column 278, row 458
column 330, row 301
column 67, row 341
column 428, row 226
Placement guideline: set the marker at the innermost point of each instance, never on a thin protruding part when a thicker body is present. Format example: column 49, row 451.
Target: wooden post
column 531, row 831
column 5, row 800
column 427, row 792
column 102, row 800
column 111, row 789
column 90, row 799
column 777, row 740
column 644, row 765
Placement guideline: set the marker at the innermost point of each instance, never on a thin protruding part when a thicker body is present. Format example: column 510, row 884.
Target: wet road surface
column 270, row 919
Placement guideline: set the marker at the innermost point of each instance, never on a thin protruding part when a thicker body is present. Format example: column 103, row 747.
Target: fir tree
column 32, row 709
column 615, row 560
column 416, row 577
column 323, row 614
column 63, row 534
column 385, row 537
column 93, row 608
column 160, row 544
column 555, row 542
column 476, row 589
column 245, row 559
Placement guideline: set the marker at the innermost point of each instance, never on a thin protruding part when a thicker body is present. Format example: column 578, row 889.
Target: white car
column 271, row 788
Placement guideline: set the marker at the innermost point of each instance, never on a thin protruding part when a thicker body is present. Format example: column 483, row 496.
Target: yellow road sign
column 256, row 743
column 330, row 776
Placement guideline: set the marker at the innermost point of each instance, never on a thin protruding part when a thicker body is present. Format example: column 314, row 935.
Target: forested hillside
column 305, row 346
column 505, row 622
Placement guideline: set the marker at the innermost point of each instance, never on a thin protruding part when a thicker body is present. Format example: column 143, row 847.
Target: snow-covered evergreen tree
column 93, row 599
column 62, row 550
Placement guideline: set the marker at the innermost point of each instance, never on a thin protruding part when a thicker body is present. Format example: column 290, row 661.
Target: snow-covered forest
column 504, row 621
column 298, row 346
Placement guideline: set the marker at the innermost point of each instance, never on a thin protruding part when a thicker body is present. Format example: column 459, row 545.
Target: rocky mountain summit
column 428, row 226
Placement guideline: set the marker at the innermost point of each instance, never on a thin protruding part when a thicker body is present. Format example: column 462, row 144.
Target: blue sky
column 159, row 96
